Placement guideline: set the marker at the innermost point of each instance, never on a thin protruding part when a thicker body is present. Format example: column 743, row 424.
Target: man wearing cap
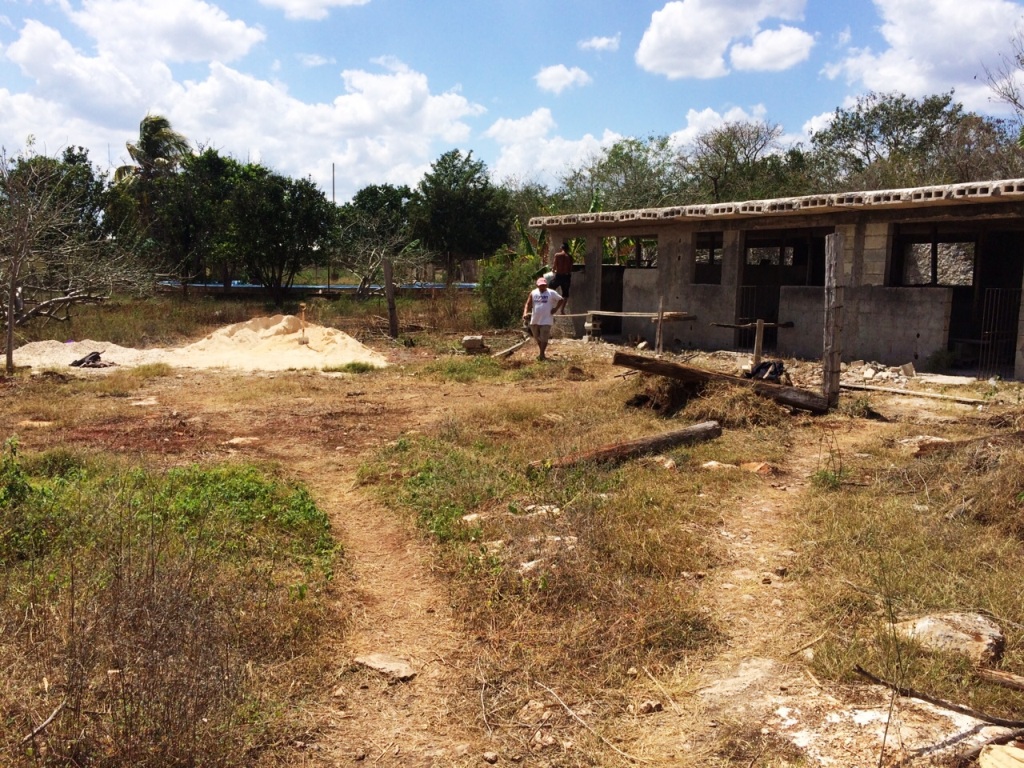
column 540, row 307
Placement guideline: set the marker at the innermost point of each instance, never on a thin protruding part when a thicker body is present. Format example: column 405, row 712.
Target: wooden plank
column 628, row 449
column 997, row 676
column 787, row 324
column 914, row 393
column 832, row 343
column 790, row 396
column 515, row 347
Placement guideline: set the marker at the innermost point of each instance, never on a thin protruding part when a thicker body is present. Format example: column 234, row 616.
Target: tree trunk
column 698, row 433
column 791, row 396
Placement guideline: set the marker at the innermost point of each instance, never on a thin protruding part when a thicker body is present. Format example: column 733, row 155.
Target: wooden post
column 389, row 292
column 832, row 356
column 758, row 344
column 660, row 335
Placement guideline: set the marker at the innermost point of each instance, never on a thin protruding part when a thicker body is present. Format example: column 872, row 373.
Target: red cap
column 541, row 281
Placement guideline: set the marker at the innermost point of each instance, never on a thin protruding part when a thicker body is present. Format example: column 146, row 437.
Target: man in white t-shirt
column 541, row 305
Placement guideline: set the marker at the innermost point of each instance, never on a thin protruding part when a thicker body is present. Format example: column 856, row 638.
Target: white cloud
column 689, row 38
column 817, row 123
column 310, row 9
column 934, row 45
column 381, row 129
column 698, row 122
column 182, row 31
column 600, row 43
column 384, row 124
column 529, row 151
column 90, row 86
column 773, row 50
column 559, row 77
column 313, row 60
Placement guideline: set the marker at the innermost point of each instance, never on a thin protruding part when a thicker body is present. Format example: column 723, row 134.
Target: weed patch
column 921, row 535
column 151, row 607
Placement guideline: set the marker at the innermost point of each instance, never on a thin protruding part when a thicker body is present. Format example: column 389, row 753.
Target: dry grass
column 583, row 573
column 152, row 615
column 898, row 537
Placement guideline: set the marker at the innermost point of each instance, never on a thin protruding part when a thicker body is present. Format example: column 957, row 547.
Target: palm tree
column 158, row 150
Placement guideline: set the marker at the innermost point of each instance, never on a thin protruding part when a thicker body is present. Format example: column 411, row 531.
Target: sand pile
column 262, row 344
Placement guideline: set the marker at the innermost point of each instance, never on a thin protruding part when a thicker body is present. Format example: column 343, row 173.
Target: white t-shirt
column 543, row 304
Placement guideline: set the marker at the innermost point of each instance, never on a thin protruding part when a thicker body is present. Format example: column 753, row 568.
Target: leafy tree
column 885, row 140
column 456, row 211
column 192, row 216
column 738, row 161
column 53, row 252
column 374, row 228
column 278, row 225
column 631, row 174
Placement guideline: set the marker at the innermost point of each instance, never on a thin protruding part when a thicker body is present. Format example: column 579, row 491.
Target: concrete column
column 732, row 266
column 592, row 266
column 676, row 257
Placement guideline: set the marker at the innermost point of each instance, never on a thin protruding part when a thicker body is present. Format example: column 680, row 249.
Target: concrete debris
column 968, row 634
column 392, row 667
column 922, row 443
column 474, row 345
column 717, row 465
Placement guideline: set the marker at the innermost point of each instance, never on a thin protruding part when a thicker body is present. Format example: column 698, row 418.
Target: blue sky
column 381, row 88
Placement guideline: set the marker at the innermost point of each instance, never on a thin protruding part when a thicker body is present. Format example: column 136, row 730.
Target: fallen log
column 698, row 433
column 791, row 396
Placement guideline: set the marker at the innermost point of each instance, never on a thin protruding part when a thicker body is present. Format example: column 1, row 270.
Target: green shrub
column 504, row 284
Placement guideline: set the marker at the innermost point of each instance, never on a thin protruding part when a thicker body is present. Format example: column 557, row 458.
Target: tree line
column 71, row 234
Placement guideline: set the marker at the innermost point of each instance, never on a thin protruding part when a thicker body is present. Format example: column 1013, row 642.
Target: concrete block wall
column 895, row 325
column 641, row 289
column 710, row 304
column 805, row 307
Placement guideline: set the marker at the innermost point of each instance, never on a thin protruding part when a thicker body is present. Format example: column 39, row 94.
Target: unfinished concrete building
column 930, row 274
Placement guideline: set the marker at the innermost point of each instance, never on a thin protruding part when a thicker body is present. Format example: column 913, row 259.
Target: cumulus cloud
column 609, row 44
column 926, row 53
column 310, row 9
column 773, row 50
column 690, row 38
column 182, row 31
column 385, row 123
column 528, row 150
column 559, row 77
column 701, row 121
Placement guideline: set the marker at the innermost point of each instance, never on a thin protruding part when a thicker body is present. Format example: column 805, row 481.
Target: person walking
column 540, row 308
column 563, row 273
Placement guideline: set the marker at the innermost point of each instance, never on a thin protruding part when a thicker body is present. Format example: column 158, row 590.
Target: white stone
column 392, row 666
column 969, row 634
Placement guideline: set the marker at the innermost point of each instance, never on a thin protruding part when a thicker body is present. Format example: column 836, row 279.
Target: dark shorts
column 561, row 284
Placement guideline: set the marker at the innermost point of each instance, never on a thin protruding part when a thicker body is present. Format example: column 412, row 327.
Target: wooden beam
column 790, row 396
column 914, row 393
column 832, row 344
column 629, row 449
